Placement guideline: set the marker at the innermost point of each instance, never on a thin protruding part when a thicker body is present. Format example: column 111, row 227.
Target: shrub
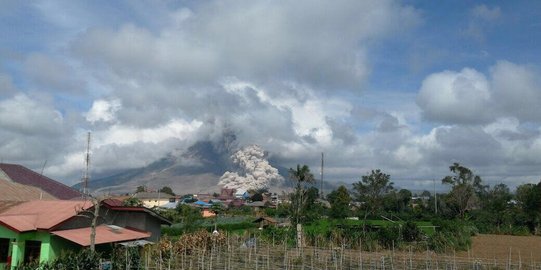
column 84, row 259
column 410, row 232
column 389, row 236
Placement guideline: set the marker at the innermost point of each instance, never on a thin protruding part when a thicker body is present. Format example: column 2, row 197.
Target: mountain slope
column 197, row 169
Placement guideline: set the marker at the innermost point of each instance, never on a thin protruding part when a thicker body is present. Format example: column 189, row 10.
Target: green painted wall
column 7, row 233
column 51, row 246
column 61, row 245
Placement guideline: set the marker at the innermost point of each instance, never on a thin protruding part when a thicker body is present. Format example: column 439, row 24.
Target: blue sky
column 408, row 87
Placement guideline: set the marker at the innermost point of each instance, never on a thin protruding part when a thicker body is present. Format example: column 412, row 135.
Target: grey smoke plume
column 255, row 172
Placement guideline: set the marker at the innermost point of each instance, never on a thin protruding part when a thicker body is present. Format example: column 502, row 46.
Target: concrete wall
column 75, row 223
column 155, row 202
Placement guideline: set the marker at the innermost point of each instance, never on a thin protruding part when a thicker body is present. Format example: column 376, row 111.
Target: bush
column 84, row 259
column 451, row 235
column 234, row 226
column 410, row 232
column 389, row 236
column 278, row 235
column 121, row 262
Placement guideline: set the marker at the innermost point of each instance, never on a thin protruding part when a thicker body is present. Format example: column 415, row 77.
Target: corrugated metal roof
column 11, row 191
column 104, row 234
column 25, row 176
column 5, row 205
column 44, row 215
column 113, row 202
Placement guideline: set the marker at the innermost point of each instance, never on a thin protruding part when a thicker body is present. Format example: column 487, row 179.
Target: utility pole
column 435, row 197
column 321, row 176
column 86, row 173
column 43, row 167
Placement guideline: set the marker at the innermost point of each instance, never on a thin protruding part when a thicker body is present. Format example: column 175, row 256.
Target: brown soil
column 500, row 247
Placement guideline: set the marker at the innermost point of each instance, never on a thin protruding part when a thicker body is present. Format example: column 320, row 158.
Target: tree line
column 490, row 209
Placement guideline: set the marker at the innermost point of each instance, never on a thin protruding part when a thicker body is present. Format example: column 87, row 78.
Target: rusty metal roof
column 104, row 234
column 25, row 176
column 11, row 191
column 35, row 215
column 5, row 205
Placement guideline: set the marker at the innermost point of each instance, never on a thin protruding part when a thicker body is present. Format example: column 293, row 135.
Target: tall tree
column 140, row 189
column 190, row 217
column 403, row 200
column 372, row 189
column 529, row 198
column 497, row 203
column 300, row 176
column 167, row 190
column 132, row 201
column 339, row 200
column 466, row 189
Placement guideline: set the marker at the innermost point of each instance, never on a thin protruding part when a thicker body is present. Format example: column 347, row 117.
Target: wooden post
column 95, row 216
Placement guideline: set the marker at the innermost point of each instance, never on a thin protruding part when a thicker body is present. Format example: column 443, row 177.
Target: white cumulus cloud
column 103, row 110
column 462, row 97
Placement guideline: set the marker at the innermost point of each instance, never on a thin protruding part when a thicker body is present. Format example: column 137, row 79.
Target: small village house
column 41, row 230
column 265, row 222
column 154, row 199
column 227, row 194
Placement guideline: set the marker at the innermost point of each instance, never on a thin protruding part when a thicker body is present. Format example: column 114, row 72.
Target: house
column 140, row 218
column 154, row 199
column 170, row 205
column 265, row 222
column 242, row 194
column 18, row 174
column 256, row 205
column 269, row 222
column 236, row 203
column 202, row 204
column 40, row 230
column 203, row 196
column 206, row 213
column 227, row 194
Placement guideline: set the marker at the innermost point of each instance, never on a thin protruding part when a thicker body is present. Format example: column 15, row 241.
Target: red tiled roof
column 34, row 215
column 25, row 176
column 104, row 234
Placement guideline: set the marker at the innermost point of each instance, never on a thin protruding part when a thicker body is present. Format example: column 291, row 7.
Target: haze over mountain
column 197, row 170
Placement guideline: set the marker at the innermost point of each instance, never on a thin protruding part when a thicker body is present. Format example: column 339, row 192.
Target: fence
column 237, row 253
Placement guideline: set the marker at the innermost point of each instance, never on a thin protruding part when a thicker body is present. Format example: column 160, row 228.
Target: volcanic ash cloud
column 254, row 172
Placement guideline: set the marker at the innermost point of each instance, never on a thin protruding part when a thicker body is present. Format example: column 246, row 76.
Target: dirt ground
column 500, row 247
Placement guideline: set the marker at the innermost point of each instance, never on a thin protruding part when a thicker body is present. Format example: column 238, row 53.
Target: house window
column 4, row 250
column 31, row 250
